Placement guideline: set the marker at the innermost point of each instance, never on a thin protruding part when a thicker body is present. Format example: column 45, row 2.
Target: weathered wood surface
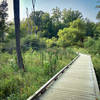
column 77, row 83
column 54, row 78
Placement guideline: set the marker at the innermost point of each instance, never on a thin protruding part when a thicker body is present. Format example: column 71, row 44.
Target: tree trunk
column 33, row 3
column 17, row 33
column 2, row 36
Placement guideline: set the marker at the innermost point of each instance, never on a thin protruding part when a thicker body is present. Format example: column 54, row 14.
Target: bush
column 40, row 66
column 93, row 46
column 89, row 42
column 32, row 42
column 96, row 62
column 10, row 86
column 51, row 42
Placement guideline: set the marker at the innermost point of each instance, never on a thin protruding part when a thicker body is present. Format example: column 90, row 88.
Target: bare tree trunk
column 17, row 33
column 28, row 21
column 33, row 3
column 2, row 37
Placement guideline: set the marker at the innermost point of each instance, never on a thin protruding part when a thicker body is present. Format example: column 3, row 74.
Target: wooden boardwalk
column 77, row 83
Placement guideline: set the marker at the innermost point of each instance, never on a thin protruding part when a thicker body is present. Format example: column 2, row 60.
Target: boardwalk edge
column 44, row 87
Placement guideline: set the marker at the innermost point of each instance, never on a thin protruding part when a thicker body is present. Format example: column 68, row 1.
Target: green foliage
column 90, row 28
column 11, row 31
column 48, row 26
column 67, row 36
column 72, row 35
column 38, row 19
column 70, row 15
column 98, row 15
column 93, row 46
column 97, row 31
column 31, row 42
column 51, row 42
column 40, row 66
column 10, row 86
column 9, row 46
column 3, row 18
column 96, row 62
column 62, row 29
column 80, row 25
column 97, row 46
column 89, row 42
column 56, row 14
column 25, row 27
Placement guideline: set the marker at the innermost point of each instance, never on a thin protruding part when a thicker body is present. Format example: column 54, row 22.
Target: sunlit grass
column 40, row 66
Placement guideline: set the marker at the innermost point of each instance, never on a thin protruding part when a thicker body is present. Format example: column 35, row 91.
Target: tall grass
column 40, row 66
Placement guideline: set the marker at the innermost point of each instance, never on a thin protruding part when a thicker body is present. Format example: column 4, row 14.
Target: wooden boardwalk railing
column 78, row 82
column 54, row 78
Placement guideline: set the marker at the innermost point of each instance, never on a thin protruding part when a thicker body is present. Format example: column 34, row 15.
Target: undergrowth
column 40, row 66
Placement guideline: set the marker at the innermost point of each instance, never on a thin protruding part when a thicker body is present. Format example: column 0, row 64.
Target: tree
column 72, row 35
column 46, row 26
column 56, row 14
column 70, row 15
column 98, row 15
column 90, row 28
column 43, row 23
column 3, row 18
column 51, row 42
column 97, row 31
column 33, row 3
column 56, row 20
column 26, row 26
column 67, row 36
column 11, row 31
column 38, row 19
column 17, row 33
column 28, row 22
column 81, row 26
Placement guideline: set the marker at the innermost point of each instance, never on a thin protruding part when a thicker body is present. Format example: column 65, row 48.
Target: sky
column 87, row 7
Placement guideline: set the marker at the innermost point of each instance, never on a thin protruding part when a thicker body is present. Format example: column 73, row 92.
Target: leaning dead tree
column 33, row 4
column 17, row 33
column 28, row 20
column 98, row 6
column 29, row 23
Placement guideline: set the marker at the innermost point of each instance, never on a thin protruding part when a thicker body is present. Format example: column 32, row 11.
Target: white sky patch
column 10, row 10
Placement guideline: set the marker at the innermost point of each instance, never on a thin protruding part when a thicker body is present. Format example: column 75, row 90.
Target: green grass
column 96, row 63
column 81, row 50
column 40, row 66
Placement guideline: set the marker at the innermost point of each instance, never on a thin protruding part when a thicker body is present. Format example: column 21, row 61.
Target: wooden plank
column 77, row 83
column 44, row 87
column 96, row 87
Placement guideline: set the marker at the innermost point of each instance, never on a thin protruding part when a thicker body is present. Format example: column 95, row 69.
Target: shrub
column 40, row 66
column 51, row 42
column 89, row 42
column 32, row 42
